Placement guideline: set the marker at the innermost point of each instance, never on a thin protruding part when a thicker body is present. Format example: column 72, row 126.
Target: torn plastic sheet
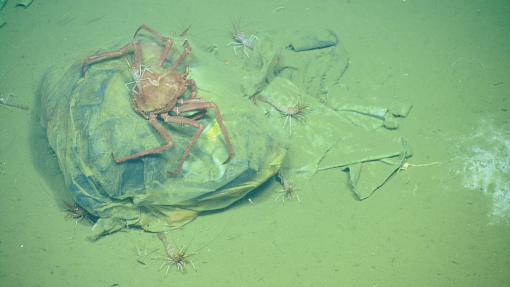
column 370, row 158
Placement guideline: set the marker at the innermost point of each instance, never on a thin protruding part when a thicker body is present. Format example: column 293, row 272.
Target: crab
column 159, row 92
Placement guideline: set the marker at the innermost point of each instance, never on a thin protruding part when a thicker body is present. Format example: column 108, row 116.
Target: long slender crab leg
column 168, row 46
column 138, row 56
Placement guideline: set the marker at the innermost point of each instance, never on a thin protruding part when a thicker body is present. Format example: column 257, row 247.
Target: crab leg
column 138, row 56
column 154, row 122
column 168, row 46
column 189, row 122
column 198, row 104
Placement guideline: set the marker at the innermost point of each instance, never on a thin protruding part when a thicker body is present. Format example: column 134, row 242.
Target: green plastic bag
column 87, row 118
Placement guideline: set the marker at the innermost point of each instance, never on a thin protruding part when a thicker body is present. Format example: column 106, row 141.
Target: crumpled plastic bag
column 88, row 118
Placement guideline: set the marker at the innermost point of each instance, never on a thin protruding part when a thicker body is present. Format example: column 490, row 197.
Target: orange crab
column 159, row 92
